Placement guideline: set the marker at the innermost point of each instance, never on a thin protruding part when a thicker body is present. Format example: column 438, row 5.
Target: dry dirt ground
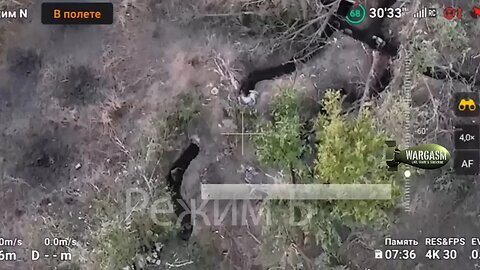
column 75, row 101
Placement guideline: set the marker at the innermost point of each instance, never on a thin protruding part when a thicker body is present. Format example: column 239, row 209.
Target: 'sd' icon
column 378, row 254
column 466, row 104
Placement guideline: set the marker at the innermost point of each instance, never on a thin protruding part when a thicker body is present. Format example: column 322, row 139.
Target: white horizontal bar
column 296, row 191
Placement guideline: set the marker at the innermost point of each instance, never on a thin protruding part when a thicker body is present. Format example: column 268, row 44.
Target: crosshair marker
column 242, row 134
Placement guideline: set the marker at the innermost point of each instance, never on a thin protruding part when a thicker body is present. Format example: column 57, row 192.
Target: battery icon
column 357, row 14
column 378, row 254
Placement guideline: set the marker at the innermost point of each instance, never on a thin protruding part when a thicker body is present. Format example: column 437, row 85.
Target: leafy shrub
column 430, row 47
column 119, row 239
column 349, row 151
column 355, row 156
column 280, row 143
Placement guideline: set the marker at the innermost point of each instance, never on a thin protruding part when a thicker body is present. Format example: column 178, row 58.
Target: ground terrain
column 88, row 112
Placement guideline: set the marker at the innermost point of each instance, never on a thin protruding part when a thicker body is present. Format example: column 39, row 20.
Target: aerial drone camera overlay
column 240, row 135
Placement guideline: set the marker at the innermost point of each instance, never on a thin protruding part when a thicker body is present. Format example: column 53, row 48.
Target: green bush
column 281, row 143
column 119, row 238
column 350, row 150
column 355, row 156
column 442, row 38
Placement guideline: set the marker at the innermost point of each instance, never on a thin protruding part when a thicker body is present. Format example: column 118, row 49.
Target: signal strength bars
column 426, row 12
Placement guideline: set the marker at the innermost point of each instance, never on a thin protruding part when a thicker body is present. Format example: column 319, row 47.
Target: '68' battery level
column 357, row 14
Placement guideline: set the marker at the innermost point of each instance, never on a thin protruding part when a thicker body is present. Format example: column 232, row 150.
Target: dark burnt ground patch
column 45, row 158
column 78, row 87
column 18, row 84
column 24, row 62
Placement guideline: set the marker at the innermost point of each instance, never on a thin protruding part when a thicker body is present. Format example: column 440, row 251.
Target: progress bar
column 296, row 191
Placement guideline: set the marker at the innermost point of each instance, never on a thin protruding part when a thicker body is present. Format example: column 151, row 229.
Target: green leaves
column 349, row 150
column 355, row 151
column 280, row 143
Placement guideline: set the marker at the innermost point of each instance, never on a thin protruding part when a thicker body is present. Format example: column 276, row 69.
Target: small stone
column 158, row 262
column 78, row 166
column 195, row 139
column 155, row 255
column 139, row 262
column 158, row 247
column 214, row 91
column 250, row 99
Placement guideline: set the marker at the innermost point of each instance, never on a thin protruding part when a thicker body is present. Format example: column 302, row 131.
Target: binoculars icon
column 467, row 104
